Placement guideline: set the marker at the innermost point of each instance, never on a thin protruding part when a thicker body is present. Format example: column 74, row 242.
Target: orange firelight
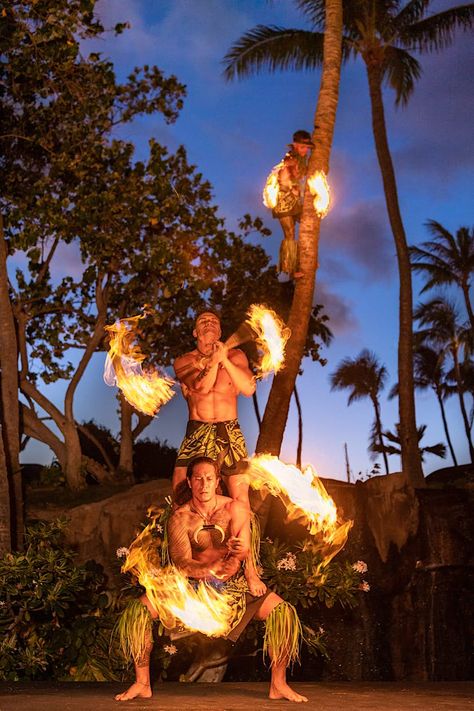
column 271, row 337
column 145, row 390
column 319, row 188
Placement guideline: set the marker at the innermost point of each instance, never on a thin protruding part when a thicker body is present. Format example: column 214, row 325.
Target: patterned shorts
column 207, row 439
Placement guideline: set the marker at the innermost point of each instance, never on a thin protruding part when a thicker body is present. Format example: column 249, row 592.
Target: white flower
column 159, row 528
column 364, row 586
column 321, row 630
column 170, row 649
column 288, row 562
column 360, row 566
column 122, row 552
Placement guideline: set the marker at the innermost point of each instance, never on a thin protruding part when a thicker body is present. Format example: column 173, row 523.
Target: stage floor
column 335, row 696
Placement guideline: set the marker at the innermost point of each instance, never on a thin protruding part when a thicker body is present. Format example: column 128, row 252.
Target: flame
column 272, row 187
column 201, row 609
column 272, row 336
column 319, row 187
column 145, row 390
column 304, row 496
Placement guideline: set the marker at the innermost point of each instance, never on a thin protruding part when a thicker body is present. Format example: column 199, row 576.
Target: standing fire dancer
column 209, row 538
column 291, row 174
column 212, row 376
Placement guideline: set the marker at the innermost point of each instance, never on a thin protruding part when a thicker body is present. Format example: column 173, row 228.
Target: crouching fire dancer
column 208, row 541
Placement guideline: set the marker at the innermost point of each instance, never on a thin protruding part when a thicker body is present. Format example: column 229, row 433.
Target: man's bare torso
column 218, row 405
column 207, row 545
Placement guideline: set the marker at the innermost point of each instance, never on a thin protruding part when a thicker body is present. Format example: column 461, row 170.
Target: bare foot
column 256, row 586
column 138, row 689
column 283, row 691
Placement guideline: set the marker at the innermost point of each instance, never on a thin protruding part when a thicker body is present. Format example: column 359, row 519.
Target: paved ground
column 347, row 696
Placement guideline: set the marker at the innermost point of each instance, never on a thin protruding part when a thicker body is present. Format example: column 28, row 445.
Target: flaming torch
column 145, row 390
column 319, row 188
column 272, row 187
column 304, row 497
column 271, row 338
column 201, row 609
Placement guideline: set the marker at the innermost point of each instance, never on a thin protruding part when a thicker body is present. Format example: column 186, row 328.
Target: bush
column 56, row 617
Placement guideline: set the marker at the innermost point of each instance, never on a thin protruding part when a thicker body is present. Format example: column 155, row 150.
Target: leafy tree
column 444, row 331
column 365, row 377
column 276, row 411
column 446, row 259
column 383, row 34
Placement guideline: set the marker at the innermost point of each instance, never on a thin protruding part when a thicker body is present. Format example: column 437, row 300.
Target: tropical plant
column 365, row 377
column 446, row 259
column 56, row 617
column 276, row 411
column 383, row 33
column 394, row 446
column 444, row 330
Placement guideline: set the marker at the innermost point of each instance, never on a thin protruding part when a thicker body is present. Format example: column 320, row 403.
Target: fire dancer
column 212, row 376
column 288, row 206
column 209, row 538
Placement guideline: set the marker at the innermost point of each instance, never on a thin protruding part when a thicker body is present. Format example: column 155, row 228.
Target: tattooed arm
column 180, row 547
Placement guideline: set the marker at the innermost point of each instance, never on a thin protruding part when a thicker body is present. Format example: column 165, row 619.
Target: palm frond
column 412, row 12
column 401, row 71
column 438, row 31
column 273, row 48
column 314, row 10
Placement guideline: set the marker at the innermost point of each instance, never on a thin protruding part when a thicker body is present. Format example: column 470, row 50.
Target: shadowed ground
column 357, row 696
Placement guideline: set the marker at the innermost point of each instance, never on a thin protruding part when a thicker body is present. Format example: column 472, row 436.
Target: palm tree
column 364, row 377
column 439, row 449
column 430, row 373
column 276, row 411
column 444, row 331
column 382, row 32
column 446, row 259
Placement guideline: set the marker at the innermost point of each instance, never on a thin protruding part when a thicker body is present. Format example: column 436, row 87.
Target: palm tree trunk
column 299, row 448
column 411, row 460
column 257, row 410
column 10, row 409
column 276, row 411
column 462, row 404
column 445, row 425
column 467, row 299
column 378, row 425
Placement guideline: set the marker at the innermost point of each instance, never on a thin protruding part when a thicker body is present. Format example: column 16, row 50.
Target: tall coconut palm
column 430, row 373
column 365, row 377
column 382, row 32
column 446, row 259
column 276, row 411
column 443, row 329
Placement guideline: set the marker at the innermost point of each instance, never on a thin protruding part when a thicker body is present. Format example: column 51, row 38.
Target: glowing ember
column 272, row 187
column 145, row 390
column 271, row 337
column 319, row 187
column 304, row 496
column 201, row 609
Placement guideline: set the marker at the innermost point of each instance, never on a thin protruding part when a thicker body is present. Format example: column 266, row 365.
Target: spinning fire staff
column 208, row 539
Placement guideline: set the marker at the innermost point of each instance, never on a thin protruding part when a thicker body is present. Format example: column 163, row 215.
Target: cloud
column 342, row 319
column 436, row 126
column 359, row 237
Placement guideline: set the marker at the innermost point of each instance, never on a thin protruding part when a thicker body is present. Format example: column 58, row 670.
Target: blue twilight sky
column 235, row 133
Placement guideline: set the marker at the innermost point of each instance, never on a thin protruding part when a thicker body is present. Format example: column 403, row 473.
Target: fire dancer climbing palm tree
column 291, row 173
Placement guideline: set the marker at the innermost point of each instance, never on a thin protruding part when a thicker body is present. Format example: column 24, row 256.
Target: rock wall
column 416, row 622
